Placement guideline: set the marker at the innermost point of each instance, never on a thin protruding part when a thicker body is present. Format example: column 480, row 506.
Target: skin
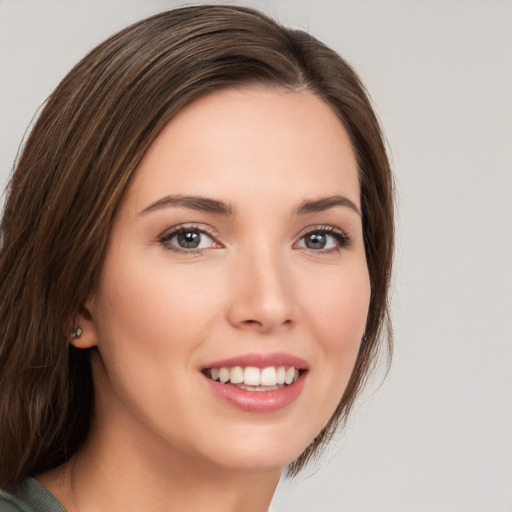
column 161, row 439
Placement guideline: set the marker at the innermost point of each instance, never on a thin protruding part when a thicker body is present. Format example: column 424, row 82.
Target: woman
column 197, row 246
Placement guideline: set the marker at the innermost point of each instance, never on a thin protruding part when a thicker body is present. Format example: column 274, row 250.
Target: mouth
column 252, row 378
column 258, row 383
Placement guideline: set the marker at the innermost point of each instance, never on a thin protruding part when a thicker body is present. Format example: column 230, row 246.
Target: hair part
column 71, row 176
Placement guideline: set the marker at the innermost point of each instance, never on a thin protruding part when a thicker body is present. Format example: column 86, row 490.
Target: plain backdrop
column 437, row 434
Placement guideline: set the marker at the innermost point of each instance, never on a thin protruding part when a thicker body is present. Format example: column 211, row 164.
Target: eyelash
column 341, row 238
column 166, row 237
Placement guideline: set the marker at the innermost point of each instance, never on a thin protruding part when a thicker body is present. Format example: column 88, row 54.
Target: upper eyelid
column 204, row 228
column 322, row 227
column 210, row 231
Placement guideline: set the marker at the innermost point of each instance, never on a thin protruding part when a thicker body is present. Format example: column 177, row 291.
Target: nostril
column 252, row 322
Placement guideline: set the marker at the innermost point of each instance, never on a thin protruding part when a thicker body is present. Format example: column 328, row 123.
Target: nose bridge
column 264, row 288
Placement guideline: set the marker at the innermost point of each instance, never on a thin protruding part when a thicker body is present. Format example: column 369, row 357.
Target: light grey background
column 437, row 435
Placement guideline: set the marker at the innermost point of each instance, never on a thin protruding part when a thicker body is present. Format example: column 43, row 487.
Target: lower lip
column 258, row 401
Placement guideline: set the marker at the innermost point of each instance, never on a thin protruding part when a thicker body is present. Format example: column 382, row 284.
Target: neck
column 112, row 472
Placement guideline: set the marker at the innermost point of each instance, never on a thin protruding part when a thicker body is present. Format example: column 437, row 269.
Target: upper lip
column 260, row 361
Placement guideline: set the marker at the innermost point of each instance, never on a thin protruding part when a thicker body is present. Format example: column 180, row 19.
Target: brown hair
column 70, row 178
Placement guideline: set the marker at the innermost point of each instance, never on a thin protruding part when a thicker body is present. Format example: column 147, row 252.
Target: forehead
column 250, row 142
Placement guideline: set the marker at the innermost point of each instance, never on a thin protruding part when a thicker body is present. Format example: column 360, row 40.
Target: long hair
column 69, row 180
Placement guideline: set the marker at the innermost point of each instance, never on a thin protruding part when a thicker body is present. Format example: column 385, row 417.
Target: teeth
column 224, row 375
column 290, row 374
column 259, row 388
column 268, row 376
column 281, row 375
column 256, row 379
column 236, row 375
column 252, row 376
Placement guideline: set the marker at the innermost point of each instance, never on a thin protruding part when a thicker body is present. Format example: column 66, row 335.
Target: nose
column 263, row 299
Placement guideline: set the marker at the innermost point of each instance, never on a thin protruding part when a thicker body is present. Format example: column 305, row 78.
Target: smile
column 251, row 378
column 258, row 383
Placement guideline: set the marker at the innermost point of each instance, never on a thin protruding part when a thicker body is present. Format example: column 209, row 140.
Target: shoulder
column 29, row 496
column 10, row 502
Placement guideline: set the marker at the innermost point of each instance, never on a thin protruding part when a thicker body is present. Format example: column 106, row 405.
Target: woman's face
column 237, row 253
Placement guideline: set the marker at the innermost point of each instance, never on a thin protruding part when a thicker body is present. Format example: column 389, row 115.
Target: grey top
column 29, row 496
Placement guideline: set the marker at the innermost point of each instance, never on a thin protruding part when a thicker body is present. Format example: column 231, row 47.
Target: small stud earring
column 76, row 333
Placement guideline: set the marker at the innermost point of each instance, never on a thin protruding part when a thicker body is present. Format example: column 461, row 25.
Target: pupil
column 189, row 239
column 315, row 241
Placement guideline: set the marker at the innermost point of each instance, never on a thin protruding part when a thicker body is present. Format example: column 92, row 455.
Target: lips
column 257, row 382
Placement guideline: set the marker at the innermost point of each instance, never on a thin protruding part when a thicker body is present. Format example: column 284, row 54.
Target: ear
column 83, row 333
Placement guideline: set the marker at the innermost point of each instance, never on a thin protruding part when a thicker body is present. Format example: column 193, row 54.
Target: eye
column 187, row 239
column 324, row 239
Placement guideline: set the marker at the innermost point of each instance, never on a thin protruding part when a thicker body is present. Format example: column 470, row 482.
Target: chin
column 262, row 450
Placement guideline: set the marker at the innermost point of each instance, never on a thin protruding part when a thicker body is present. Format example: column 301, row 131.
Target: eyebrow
column 325, row 203
column 203, row 204
column 206, row 204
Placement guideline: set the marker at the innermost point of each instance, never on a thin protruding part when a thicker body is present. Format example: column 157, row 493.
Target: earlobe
column 83, row 332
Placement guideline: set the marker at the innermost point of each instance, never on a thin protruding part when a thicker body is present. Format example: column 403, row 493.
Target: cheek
column 337, row 311
column 156, row 306
column 150, row 321
column 338, row 306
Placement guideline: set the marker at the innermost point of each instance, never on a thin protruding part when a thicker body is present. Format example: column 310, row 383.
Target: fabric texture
column 29, row 496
